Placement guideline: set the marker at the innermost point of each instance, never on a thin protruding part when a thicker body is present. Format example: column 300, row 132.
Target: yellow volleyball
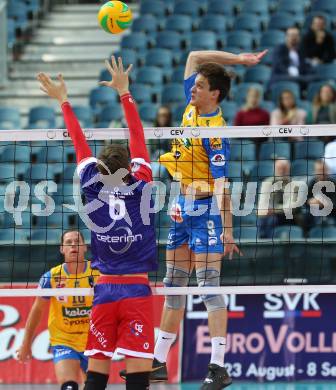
column 115, row 17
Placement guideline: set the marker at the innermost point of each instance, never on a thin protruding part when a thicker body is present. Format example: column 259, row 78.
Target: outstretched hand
column 54, row 90
column 230, row 247
column 250, row 59
column 120, row 77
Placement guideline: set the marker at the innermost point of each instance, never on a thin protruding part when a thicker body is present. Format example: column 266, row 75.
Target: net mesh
column 283, row 204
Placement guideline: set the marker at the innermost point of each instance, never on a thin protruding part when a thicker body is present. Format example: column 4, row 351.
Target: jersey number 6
column 117, row 208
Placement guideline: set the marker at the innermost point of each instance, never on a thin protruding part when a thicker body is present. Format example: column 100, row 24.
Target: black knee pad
column 137, row 381
column 95, row 381
column 69, row 386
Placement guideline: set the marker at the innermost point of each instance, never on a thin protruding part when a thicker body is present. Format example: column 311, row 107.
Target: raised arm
column 137, row 144
column 197, row 58
column 59, row 92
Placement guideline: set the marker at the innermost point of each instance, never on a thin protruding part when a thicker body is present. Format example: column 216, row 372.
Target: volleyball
column 115, row 17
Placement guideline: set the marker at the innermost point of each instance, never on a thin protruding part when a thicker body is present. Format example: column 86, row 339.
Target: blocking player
column 123, row 245
column 201, row 165
column 69, row 317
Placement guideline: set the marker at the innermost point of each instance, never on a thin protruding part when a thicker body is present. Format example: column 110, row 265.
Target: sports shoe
column 159, row 372
column 217, row 378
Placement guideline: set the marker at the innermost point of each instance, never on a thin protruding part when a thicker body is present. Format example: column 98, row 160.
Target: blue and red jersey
column 118, row 215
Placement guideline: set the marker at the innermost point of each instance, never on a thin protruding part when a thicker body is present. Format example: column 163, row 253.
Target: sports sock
column 163, row 344
column 218, row 345
column 137, row 381
column 95, row 381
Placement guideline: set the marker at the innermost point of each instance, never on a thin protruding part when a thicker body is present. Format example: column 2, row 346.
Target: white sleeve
column 84, row 163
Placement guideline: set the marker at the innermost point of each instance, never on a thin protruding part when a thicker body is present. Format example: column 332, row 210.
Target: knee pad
column 137, row 381
column 95, row 381
column 209, row 277
column 70, row 385
column 175, row 277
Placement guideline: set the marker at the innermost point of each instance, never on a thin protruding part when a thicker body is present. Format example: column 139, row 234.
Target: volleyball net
column 282, row 182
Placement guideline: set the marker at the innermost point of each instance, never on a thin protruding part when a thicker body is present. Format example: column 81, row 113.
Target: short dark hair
column 218, row 78
column 319, row 16
column 114, row 157
column 71, row 231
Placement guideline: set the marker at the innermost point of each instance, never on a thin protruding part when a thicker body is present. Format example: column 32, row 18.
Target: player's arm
column 137, row 144
column 218, row 151
column 34, row 319
column 223, row 197
column 59, row 92
column 197, row 58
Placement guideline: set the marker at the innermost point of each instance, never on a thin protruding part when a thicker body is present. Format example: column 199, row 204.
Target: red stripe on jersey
column 137, row 142
column 82, row 148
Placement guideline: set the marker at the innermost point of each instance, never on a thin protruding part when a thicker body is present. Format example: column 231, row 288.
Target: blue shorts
column 197, row 223
column 62, row 352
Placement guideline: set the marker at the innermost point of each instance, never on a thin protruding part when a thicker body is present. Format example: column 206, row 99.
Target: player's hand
column 54, row 90
column 250, row 59
column 230, row 247
column 120, row 77
column 23, row 354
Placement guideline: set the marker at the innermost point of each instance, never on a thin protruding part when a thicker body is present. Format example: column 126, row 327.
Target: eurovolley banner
column 272, row 337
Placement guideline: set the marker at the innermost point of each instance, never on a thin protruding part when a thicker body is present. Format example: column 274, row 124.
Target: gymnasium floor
column 190, row 386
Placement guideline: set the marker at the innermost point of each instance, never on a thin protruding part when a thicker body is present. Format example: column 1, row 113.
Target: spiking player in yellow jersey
column 196, row 239
column 68, row 321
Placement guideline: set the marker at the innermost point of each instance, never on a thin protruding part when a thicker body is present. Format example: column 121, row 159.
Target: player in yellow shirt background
column 68, row 320
column 201, row 223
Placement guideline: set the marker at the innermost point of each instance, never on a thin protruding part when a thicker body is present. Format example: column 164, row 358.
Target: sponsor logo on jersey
column 100, row 336
column 216, row 143
column 177, row 154
column 170, row 239
column 127, row 238
column 218, row 160
column 60, row 282
column 78, row 312
column 176, row 213
column 212, row 241
column 146, row 346
column 136, row 328
column 62, row 352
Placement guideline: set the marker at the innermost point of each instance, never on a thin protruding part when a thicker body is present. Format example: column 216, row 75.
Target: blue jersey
column 122, row 229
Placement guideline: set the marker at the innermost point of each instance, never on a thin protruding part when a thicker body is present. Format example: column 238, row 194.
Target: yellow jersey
column 198, row 160
column 68, row 320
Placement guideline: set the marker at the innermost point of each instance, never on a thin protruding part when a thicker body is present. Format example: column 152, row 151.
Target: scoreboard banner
column 40, row 370
column 272, row 337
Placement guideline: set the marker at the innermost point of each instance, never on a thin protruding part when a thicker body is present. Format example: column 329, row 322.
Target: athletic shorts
column 62, row 352
column 197, row 223
column 121, row 318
